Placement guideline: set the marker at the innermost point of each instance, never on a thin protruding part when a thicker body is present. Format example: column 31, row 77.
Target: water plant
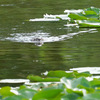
column 54, row 76
column 88, row 17
column 71, row 86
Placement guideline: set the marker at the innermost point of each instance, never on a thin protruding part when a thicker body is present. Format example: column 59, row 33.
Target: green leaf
column 59, row 18
column 80, row 81
column 79, row 93
column 89, row 23
column 83, row 74
column 16, row 97
column 47, row 94
column 86, row 16
column 60, row 74
column 95, row 83
column 91, row 20
column 76, row 83
column 5, row 91
column 34, row 78
column 51, row 79
column 71, row 96
column 92, row 96
column 54, row 76
column 67, row 82
column 55, row 86
column 93, row 9
column 22, row 87
column 91, row 14
column 77, row 17
column 27, row 93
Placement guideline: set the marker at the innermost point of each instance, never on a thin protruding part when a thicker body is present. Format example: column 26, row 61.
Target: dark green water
column 20, row 57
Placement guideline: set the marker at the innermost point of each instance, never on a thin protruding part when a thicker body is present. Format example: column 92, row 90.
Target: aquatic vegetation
column 54, row 76
column 89, row 17
column 71, row 86
column 71, row 19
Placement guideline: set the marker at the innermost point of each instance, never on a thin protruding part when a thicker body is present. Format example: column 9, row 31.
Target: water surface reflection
column 60, row 47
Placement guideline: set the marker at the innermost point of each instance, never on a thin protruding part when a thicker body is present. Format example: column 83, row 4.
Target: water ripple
column 40, row 38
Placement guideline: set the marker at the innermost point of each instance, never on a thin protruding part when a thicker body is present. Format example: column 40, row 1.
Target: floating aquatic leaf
column 93, row 9
column 55, row 86
column 34, row 78
column 71, row 96
column 76, row 83
column 27, row 93
column 22, row 87
column 90, row 13
column 79, row 93
column 59, row 73
column 16, row 97
column 82, row 74
column 77, row 17
column 80, row 81
column 95, row 83
column 5, row 91
column 89, row 23
column 92, row 96
column 73, row 16
column 47, row 94
column 54, row 76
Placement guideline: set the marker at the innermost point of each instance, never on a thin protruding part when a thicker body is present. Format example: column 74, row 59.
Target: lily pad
column 59, row 73
column 93, row 9
column 95, row 83
column 77, row 17
column 34, row 78
column 54, row 76
column 27, row 93
column 16, row 97
column 47, row 94
column 5, row 91
column 91, row 14
column 92, row 96
column 89, row 23
column 80, row 81
column 71, row 96
column 90, row 17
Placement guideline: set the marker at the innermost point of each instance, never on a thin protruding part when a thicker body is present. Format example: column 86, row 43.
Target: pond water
column 60, row 47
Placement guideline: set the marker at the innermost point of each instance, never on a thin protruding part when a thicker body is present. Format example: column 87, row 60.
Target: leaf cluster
column 55, row 76
column 90, row 17
column 77, row 88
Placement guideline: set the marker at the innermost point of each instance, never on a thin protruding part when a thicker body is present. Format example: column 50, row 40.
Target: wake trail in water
column 40, row 38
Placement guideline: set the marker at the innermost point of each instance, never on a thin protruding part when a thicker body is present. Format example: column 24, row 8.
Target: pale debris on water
column 73, row 11
column 92, row 70
column 14, row 81
column 43, row 19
